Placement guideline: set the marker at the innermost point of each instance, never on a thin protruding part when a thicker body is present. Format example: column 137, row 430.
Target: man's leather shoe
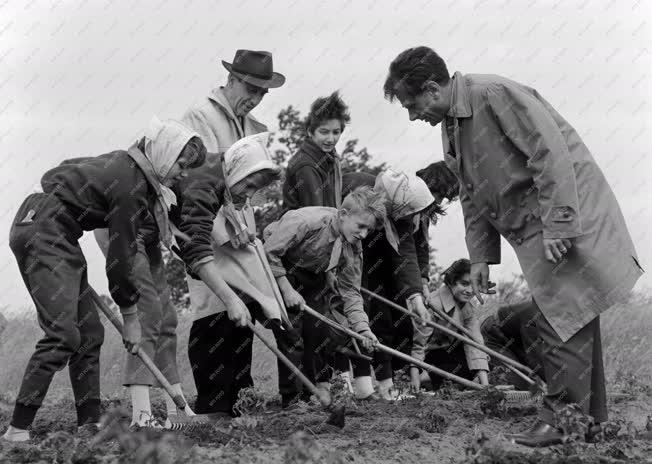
column 540, row 435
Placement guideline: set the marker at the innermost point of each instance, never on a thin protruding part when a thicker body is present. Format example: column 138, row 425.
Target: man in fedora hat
column 221, row 120
column 224, row 117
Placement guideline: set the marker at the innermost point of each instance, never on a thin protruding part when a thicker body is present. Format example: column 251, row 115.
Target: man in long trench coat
column 525, row 174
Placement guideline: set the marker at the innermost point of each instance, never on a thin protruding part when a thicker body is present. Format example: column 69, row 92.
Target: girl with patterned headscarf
column 121, row 191
column 156, row 312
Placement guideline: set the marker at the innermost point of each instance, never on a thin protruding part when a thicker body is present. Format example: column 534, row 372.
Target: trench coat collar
column 460, row 105
column 460, row 108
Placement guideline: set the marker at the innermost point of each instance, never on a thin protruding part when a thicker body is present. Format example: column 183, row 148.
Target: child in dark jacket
column 314, row 173
column 120, row 191
column 396, row 262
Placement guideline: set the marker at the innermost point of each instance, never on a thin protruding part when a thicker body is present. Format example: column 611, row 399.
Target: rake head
column 511, row 395
column 517, row 396
column 183, row 421
column 196, row 422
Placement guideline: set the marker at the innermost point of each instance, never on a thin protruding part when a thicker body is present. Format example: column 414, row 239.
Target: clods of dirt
column 448, row 428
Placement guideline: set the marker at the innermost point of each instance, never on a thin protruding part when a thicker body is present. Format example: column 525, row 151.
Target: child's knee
column 70, row 340
column 90, row 338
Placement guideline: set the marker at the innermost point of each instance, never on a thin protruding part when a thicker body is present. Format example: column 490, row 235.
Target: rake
column 393, row 352
column 442, row 315
column 523, row 371
column 182, row 419
column 510, row 395
column 337, row 412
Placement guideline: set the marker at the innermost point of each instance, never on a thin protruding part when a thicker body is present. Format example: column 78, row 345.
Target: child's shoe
column 16, row 435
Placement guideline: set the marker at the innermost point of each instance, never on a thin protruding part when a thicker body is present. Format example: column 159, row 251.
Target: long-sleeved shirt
column 199, row 197
column 426, row 338
column 304, row 238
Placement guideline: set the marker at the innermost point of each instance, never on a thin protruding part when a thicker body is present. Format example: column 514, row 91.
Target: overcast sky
column 84, row 78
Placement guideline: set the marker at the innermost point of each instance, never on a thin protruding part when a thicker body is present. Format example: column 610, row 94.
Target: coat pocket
column 23, row 232
column 29, row 210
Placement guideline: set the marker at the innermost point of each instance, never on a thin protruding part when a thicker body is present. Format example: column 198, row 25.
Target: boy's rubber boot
column 363, row 388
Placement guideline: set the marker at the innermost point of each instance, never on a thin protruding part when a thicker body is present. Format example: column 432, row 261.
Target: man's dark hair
column 327, row 108
column 456, row 270
column 412, row 68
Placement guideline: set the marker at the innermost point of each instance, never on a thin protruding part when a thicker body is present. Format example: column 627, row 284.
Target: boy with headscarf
column 121, row 190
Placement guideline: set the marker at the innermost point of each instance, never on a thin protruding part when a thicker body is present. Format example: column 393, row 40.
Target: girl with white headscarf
column 238, row 259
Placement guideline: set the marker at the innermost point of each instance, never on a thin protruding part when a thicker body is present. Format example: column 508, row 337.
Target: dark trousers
column 513, row 332
column 220, row 357
column 452, row 359
column 316, row 340
column 53, row 268
column 394, row 329
column 573, row 370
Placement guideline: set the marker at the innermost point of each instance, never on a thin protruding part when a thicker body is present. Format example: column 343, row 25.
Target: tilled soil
column 445, row 428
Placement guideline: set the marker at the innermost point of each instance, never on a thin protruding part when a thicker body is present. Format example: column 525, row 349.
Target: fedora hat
column 255, row 68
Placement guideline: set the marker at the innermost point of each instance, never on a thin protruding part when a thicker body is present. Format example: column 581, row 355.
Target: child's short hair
column 365, row 199
column 196, row 151
column 456, row 270
column 442, row 182
column 326, row 108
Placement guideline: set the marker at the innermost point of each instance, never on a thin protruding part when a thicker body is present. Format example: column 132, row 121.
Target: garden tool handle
column 452, row 333
column 355, row 345
column 323, row 399
column 450, row 320
column 461, row 328
column 393, row 352
column 272, row 282
column 147, row 361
